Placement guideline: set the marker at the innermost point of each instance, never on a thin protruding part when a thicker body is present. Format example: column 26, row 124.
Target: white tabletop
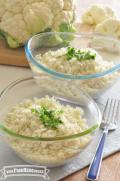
column 9, row 74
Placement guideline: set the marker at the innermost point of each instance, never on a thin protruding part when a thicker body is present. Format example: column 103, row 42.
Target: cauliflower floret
column 15, row 26
column 68, row 5
column 96, row 14
column 110, row 27
column 2, row 8
column 38, row 17
column 55, row 5
column 15, row 6
column 62, row 17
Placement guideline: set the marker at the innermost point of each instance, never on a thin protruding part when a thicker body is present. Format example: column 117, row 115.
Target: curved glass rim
column 13, row 134
column 34, row 61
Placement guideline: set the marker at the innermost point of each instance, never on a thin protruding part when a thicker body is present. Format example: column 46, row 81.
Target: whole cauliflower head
column 109, row 27
column 20, row 19
column 96, row 14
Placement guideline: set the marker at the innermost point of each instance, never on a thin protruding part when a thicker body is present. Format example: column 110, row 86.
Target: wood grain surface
column 12, row 56
column 110, row 171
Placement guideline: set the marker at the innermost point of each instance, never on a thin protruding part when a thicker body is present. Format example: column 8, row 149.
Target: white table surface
column 11, row 73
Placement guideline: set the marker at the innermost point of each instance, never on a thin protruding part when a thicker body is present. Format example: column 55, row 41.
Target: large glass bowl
column 49, row 151
column 66, row 84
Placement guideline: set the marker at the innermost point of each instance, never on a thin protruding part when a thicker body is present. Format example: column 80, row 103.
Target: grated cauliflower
column 20, row 19
column 57, row 61
column 96, row 14
column 22, row 121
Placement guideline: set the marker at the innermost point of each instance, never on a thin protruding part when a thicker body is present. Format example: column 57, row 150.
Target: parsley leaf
column 49, row 118
column 80, row 54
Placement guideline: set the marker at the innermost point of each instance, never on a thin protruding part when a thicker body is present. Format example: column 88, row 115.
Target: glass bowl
column 64, row 84
column 47, row 151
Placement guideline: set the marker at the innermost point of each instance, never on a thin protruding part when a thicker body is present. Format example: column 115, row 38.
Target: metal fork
column 109, row 123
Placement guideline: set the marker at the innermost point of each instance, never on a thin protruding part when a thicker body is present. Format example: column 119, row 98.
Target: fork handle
column 95, row 165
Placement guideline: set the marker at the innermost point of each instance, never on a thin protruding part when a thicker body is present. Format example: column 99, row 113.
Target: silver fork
column 109, row 123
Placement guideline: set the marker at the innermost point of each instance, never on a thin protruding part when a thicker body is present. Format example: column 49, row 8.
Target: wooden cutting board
column 12, row 56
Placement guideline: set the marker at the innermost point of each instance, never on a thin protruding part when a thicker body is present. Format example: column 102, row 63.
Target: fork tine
column 107, row 110
column 111, row 111
column 114, row 111
column 116, row 116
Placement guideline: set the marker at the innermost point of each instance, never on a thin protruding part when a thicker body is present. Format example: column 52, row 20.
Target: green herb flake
column 80, row 55
column 49, row 118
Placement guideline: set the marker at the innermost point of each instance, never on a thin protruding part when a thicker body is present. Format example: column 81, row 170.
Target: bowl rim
column 7, row 131
column 33, row 60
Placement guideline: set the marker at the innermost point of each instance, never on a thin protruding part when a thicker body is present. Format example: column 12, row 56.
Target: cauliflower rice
column 57, row 61
column 21, row 120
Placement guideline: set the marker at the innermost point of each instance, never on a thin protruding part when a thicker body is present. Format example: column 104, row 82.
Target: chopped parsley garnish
column 49, row 118
column 80, row 55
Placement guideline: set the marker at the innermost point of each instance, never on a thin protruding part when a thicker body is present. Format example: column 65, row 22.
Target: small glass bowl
column 67, row 84
column 48, row 151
